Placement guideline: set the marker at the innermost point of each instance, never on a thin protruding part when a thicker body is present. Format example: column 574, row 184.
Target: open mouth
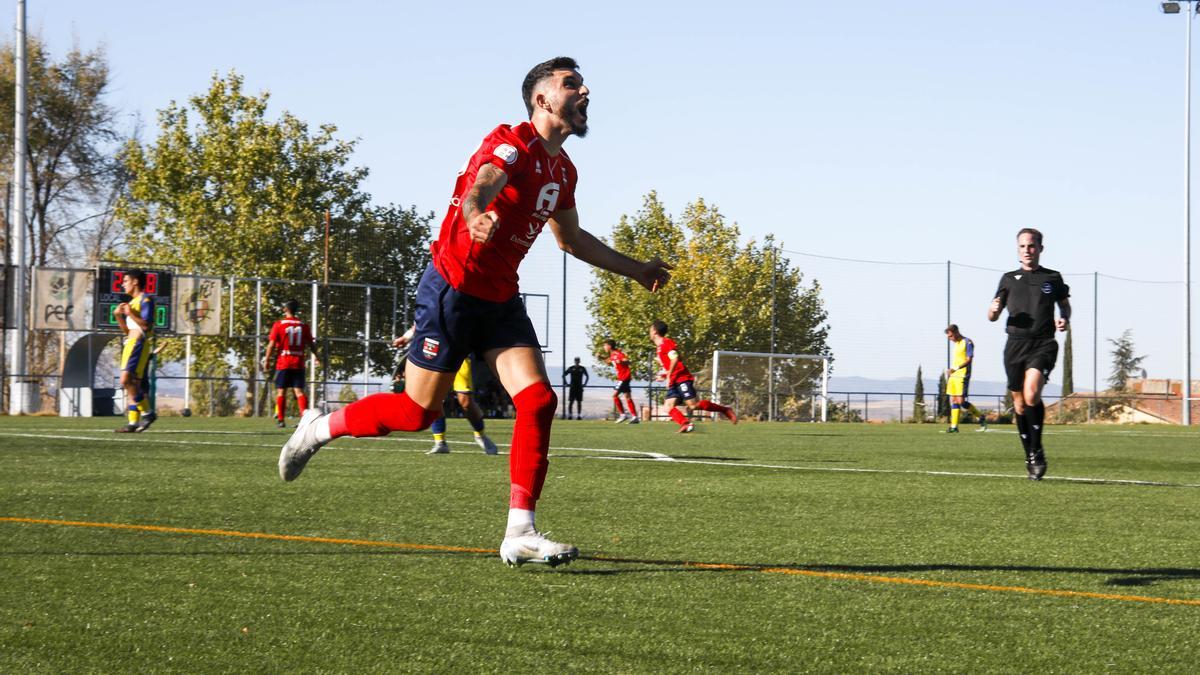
column 582, row 109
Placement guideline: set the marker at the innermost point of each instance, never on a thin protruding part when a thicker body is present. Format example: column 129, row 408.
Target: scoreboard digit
column 110, row 293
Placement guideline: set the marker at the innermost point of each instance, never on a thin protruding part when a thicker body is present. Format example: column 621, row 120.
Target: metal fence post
column 257, row 347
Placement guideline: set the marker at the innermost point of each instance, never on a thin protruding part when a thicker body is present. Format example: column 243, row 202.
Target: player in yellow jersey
column 136, row 320
column 958, row 378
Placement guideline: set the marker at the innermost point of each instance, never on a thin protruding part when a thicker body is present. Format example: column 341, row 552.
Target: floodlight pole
column 18, row 383
column 1186, row 391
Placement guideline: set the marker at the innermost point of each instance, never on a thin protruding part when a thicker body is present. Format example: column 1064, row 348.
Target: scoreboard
column 109, row 294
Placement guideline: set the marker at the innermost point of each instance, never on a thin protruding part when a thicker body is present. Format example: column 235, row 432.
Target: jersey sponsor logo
column 547, row 200
column 1047, row 288
column 506, row 152
column 1017, row 277
column 430, row 348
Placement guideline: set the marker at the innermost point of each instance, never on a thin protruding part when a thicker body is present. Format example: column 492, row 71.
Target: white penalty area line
column 645, row 457
column 914, row 472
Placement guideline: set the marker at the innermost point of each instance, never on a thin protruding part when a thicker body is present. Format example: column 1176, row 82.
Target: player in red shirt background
column 289, row 337
column 680, row 382
column 516, row 182
column 621, row 362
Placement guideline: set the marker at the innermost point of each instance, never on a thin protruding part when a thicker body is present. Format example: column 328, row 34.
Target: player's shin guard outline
column 379, row 415
column 536, row 405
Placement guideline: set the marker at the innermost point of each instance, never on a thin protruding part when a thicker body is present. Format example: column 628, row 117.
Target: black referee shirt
column 1030, row 298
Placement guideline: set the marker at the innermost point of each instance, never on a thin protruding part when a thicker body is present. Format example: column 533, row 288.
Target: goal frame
column 771, row 356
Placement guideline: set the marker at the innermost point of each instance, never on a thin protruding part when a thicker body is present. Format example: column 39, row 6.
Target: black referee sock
column 1023, row 430
column 1035, row 415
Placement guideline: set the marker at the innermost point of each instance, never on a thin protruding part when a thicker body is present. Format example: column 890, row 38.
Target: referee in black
column 1030, row 294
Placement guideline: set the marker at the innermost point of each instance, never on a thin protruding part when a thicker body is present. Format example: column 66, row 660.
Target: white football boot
column 300, row 448
column 634, row 420
column 516, row 550
column 439, row 448
column 486, row 443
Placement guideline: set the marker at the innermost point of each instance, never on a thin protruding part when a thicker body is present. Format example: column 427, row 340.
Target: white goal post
column 754, row 382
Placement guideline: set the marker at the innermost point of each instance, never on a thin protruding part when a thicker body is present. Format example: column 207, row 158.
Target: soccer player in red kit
column 290, row 337
column 621, row 362
column 516, row 182
column 681, row 385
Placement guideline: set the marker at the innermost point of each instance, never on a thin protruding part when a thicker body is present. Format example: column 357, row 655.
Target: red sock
column 379, row 415
column 709, row 406
column 279, row 401
column 617, row 404
column 678, row 417
column 632, row 407
column 536, row 405
column 302, row 401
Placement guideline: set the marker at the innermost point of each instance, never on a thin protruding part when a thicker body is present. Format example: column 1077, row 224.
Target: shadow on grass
column 1123, row 577
column 1127, row 577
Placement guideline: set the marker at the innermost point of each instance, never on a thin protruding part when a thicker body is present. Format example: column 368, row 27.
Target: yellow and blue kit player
column 136, row 320
column 958, row 378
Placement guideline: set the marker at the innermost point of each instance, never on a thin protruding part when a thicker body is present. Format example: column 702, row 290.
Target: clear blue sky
column 918, row 131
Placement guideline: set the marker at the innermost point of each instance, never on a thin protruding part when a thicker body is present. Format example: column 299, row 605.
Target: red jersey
column 681, row 374
column 290, row 337
column 538, row 185
column 618, row 359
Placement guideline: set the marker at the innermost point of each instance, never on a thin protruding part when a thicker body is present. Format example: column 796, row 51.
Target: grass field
column 799, row 548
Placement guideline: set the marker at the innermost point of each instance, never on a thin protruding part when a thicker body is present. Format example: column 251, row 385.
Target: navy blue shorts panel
column 292, row 377
column 1022, row 354
column 451, row 325
column 622, row 387
column 683, row 391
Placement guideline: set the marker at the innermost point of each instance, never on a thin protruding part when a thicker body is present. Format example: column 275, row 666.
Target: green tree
column 72, row 136
column 224, row 189
column 706, row 302
column 943, row 400
column 919, row 398
column 1124, row 365
column 1068, row 382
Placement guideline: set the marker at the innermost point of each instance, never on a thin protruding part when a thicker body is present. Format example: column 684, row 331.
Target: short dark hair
column 1037, row 235
column 540, row 72
column 139, row 276
column 292, row 306
column 611, row 343
column 659, row 327
column 952, row 328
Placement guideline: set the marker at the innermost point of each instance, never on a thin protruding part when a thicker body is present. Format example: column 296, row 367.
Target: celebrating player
column 681, row 385
column 136, row 320
column 291, row 337
column 618, row 359
column 958, row 378
column 464, row 393
column 516, row 182
column 1030, row 294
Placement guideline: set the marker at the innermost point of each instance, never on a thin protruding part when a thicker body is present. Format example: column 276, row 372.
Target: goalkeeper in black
column 1030, row 294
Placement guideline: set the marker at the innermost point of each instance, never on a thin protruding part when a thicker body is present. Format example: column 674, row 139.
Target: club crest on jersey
column 430, row 348
column 1047, row 288
column 506, row 152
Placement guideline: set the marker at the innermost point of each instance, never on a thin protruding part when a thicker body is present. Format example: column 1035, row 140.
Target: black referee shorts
column 1021, row 354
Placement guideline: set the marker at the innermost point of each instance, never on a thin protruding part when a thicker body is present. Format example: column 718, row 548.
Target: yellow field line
column 847, row 576
column 250, row 535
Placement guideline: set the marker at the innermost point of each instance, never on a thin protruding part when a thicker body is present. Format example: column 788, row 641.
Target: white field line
column 652, row 456
column 646, row 457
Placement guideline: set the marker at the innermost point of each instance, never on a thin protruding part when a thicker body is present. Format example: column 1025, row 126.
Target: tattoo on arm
column 488, row 184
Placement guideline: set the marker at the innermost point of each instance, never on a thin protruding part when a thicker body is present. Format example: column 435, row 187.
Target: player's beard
column 578, row 124
column 577, row 120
